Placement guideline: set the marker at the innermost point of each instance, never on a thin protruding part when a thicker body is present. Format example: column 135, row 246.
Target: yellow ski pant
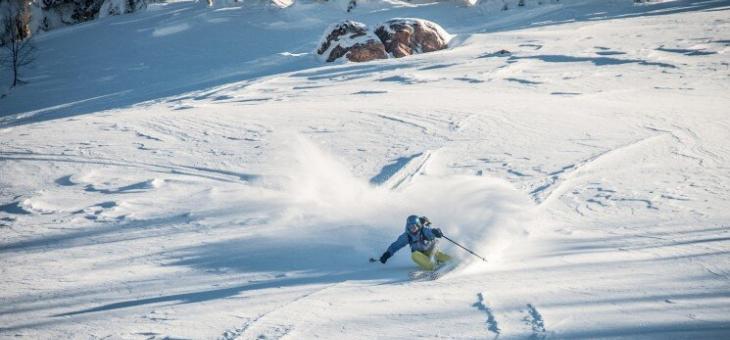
column 424, row 261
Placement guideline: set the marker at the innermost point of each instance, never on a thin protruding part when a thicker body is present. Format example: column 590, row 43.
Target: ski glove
column 384, row 258
column 437, row 232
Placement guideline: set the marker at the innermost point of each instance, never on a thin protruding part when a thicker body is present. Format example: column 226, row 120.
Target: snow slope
column 220, row 182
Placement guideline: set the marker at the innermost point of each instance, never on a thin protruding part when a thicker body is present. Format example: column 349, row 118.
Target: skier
column 422, row 239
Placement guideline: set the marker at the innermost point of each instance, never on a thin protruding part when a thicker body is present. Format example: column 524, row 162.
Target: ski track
column 241, row 331
column 389, row 171
column 404, row 171
column 424, row 129
column 199, row 172
column 558, row 181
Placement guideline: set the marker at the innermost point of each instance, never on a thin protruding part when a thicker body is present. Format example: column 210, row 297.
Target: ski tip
column 371, row 260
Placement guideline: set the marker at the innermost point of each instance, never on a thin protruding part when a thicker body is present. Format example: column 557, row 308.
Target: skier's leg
column 422, row 260
column 442, row 257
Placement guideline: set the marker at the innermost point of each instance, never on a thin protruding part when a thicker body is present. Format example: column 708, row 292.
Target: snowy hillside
column 189, row 172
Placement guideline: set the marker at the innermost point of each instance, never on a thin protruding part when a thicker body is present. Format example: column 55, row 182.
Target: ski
column 428, row 275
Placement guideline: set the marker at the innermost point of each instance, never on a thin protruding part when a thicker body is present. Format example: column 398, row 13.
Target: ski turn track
column 559, row 181
column 415, row 165
column 279, row 332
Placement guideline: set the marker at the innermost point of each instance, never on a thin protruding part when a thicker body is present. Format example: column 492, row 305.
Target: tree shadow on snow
column 660, row 330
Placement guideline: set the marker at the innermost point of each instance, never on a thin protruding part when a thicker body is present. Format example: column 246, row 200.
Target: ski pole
column 462, row 247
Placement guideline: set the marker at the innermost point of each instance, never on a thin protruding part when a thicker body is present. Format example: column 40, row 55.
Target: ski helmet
column 413, row 224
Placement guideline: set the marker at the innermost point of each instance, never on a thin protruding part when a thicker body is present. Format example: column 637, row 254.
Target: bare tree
column 16, row 48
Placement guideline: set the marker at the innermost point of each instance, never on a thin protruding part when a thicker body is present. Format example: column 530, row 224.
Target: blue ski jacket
column 424, row 241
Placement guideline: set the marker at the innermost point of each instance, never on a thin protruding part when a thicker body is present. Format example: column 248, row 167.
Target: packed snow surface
column 189, row 172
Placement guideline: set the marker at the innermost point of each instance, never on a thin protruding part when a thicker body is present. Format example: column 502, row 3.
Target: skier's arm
column 431, row 233
column 394, row 247
column 398, row 244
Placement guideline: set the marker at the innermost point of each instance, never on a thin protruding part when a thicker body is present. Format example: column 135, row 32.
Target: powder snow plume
column 481, row 213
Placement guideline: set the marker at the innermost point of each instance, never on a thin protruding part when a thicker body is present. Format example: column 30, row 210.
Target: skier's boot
column 442, row 258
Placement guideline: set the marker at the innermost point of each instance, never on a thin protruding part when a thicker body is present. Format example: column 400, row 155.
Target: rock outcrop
column 352, row 40
column 405, row 36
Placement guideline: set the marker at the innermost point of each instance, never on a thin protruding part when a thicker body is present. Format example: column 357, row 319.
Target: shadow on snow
column 166, row 64
column 290, row 262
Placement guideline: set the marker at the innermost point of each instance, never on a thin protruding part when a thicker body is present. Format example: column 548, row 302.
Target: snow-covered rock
column 118, row 7
column 352, row 40
column 406, row 36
